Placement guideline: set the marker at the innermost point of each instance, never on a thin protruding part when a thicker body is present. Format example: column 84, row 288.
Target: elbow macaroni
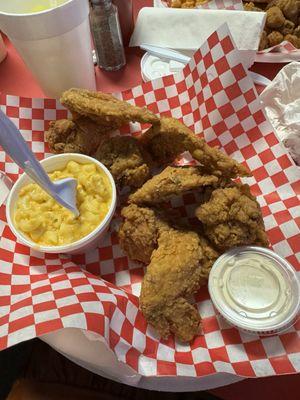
column 47, row 223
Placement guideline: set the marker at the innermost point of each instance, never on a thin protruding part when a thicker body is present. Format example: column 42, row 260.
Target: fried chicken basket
column 98, row 291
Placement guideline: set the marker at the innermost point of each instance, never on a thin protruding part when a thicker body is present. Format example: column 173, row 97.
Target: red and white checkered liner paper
column 44, row 293
column 281, row 53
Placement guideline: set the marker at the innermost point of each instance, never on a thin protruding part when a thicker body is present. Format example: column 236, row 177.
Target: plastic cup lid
column 255, row 289
column 153, row 67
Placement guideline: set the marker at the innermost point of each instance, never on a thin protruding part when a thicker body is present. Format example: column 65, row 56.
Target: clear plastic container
column 255, row 289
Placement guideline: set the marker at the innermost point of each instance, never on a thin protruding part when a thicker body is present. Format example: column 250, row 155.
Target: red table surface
column 16, row 79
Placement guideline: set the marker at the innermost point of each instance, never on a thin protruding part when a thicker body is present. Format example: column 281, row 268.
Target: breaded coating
column 264, row 41
column 105, row 108
column 251, row 7
column 64, row 136
column 289, row 8
column 297, row 31
column 170, row 182
column 275, row 18
column 126, row 159
column 170, row 138
column 175, row 272
column 275, row 38
column 139, row 232
column 91, row 127
column 293, row 39
column 287, row 28
column 232, row 217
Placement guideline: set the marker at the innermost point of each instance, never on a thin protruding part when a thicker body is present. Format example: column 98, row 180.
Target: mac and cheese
column 47, row 223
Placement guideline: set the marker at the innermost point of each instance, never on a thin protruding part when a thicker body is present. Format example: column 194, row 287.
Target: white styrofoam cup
column 55, row 44
column 3, row 51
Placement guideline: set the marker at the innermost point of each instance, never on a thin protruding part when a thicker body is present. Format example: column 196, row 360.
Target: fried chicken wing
column 91, row 127
column 126, row 159
column 275, row 18
column 275, row 38
column 287, row 28
column 290, row 9
column 232, row 217
column 175, row 272
column 170, row 138
column 64, row 136
column 170, row 182
column 293, row 39
column 139, row 232
column 105, row 108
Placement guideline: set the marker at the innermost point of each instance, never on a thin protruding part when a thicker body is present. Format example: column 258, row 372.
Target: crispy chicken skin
column 175, row 272
column 64, row 136
column 138, row 232
column 105, row 108
column 232, row 217
column 126, row 159
column 170, row 182
column 275, row 18
column 170, row 138
column 275, row 38
column 179, row 263
column 290, row 9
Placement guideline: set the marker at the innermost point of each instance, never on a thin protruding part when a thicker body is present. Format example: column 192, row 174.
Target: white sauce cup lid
column 255, row 289
column 153, row 67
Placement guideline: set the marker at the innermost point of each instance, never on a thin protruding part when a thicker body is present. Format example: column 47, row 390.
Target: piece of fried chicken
column 126, row 159
column 178, row 267
column 64, row 136
column 139, row 232
column 104, row 108
column 170, row 138
column 232, row 217
column 170, row 182
column 180, row 262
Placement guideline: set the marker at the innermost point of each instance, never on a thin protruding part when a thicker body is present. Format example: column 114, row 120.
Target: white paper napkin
column 282, row 103
column 187, row 29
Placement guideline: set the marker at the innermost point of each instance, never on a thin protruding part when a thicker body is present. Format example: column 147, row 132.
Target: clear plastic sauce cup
column 256, row 290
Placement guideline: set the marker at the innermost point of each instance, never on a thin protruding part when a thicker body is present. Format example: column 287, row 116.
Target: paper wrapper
column 41, row 293
column 282, row 53
column 282, row 104
column 179, row 29
column 210, row 5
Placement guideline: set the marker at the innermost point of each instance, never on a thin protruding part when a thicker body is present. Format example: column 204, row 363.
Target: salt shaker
column 107, row 35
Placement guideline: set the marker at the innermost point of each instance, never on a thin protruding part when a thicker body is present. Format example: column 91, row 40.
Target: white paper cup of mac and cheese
column 22, row 218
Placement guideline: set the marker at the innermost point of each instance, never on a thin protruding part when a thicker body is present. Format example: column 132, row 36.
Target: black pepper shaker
column 107, row 35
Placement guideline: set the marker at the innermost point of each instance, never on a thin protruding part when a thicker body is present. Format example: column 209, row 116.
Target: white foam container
column 88, row 242
column 255, row 290
column 3, row 51
column 55, row 44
